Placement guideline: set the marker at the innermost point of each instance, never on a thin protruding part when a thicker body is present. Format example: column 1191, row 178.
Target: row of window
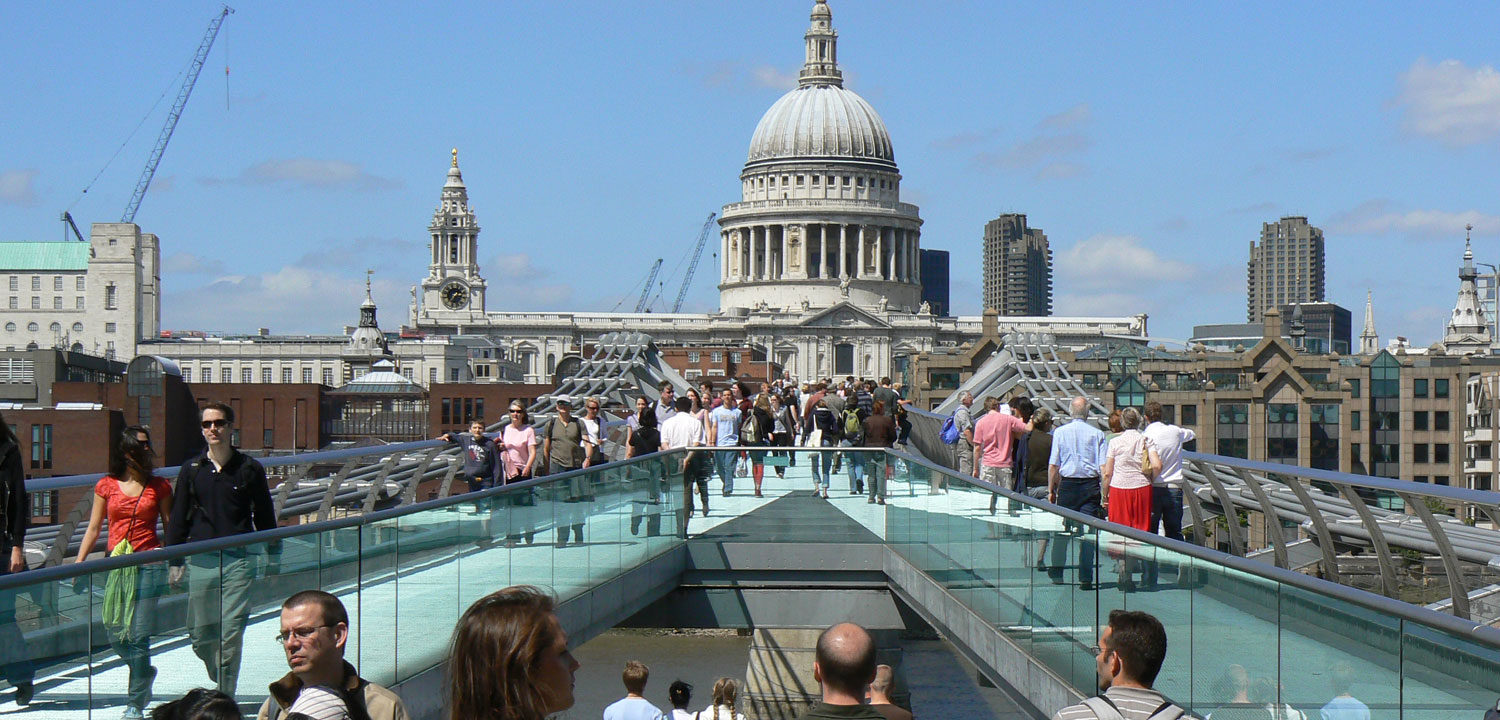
column 57, row 327
column 714, row 357
column 247, row 375
column 461, row 411
column 1439, row 453
column 14, row 303
column 830, row 181
column 36, row 282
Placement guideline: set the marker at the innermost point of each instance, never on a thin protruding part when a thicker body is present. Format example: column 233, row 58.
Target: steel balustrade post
column 1492, row 513
column 1418, row 505
column 454, row 463
column 77, row 515
column 333, row 488
column 1231, row 516
column 1377, row 538
column 284, row 490
column 1273, row 521
column 1320, row 527
column 1195, row 508
column 409, row 494
column 378, row 484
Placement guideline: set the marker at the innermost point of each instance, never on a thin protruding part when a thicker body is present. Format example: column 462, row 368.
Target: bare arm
column 1105, row 473
column 91, row 536
column 1054, row 482
column 1155, row 464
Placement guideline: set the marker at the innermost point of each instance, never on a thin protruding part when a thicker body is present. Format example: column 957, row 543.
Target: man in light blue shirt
column 634, row 706
column 1078, row 451
column 724, row 431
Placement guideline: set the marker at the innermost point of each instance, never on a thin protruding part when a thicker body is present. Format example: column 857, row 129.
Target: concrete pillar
column 767, row 272
column 843, row 231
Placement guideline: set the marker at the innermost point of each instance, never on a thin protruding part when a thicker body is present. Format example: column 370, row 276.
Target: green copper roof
column 44, row 256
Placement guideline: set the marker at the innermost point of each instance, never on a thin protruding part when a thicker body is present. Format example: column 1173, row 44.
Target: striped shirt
column 1133, row 703
column 320, row 702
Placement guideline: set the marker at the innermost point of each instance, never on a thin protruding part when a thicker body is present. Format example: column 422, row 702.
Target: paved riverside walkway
column 990, row 563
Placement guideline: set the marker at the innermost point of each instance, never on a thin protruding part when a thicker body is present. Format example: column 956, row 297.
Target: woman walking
column 518, row 458
column 756, row 432
column 133, row 500
column 783, row 429
column 879, row 431
column 1128, row 469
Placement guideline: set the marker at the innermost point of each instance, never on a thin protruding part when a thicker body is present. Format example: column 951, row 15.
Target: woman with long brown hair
column 509, row 659
column 133, row 499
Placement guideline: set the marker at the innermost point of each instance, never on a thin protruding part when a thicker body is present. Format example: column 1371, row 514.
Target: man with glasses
column 221, row 492
column 1128, row 658
column 314, row 630
column 666, row 405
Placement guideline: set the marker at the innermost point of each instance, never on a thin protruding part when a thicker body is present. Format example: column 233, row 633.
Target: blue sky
column 1148, row 141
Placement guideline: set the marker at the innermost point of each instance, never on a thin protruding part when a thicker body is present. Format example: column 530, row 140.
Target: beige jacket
column 366, row 700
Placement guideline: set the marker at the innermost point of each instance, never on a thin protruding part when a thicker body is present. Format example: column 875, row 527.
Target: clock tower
column 453, row 290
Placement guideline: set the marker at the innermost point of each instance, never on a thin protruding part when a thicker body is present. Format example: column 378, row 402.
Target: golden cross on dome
column 455, row 157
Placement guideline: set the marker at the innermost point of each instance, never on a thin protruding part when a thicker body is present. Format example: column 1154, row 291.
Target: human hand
column 17, row 560
column 174, row 575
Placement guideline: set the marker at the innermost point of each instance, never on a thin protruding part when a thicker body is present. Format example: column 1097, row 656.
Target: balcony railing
column 821, row 204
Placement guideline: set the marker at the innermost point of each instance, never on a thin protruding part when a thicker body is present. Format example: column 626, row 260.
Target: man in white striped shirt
column 1129, row 656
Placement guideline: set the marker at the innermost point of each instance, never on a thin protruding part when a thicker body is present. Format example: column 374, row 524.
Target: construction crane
column 687, row 280
column 67, row 219
column 640, row 305
column 172, row 117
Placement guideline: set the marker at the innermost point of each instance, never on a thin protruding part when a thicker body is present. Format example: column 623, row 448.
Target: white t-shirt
column 632, row 709
column 1169, row 440
column 680, row 714
column 681, row 430
column 590, row 431
column 724, row 714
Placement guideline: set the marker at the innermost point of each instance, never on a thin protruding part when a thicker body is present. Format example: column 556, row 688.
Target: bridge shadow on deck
column 798, row 517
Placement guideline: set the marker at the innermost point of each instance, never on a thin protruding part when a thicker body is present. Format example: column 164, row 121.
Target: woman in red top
column 134, row 500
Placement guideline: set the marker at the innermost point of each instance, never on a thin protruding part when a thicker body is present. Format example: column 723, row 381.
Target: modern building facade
column 1285, row 267
column 934, row 273
column 102, row 296
column 1017, row 267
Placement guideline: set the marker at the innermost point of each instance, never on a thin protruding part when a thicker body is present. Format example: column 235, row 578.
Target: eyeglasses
column 593, row 407
column 1099, row 649
column 215, row 423
column 302, row 634
column 518, row 410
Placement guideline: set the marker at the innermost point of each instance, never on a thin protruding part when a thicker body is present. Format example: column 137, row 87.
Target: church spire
column 1468, row 330
column 822, row 64
column 1369, row 341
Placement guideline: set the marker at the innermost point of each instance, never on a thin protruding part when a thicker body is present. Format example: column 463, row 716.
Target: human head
column 1153, row 412
column 1341, row 679
column 591, row 407
column 1041, row 419
column 776, row 399
column 1115, row 425
column 1130, row 418
column 217, row 420
column 647, row 416
column 991, row 404
column 476, row 427
column 966, row 399
column 686, row 402
column 635, row 676
column 844, row 661
column 666, row 389
column 878, row 408
column 518, row 414
column 1132, row 647
column 880, row 688
column 727, row 396
column 564, row 408
column 680, row 694
column 726, row 691
column 641, row 403
column 314, row 629
column 763, row 402
column 885, row 381
column 509, row 658
column 132, row 453
column 199, row 704
column 1079, row 408
column 1022, row 407
column 695, row 397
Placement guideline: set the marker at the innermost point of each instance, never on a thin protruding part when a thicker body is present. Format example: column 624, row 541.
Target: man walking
column 964, row 421
column 844, row 665
column 724, row 431
column 1078, row 451
column 1128, row 658
column 682, row 430
column 563, row 445
column 221, row 492
column 314, row 631
column 995, row 436
column 666, row 404
column 1166, row 487
column 634, row 706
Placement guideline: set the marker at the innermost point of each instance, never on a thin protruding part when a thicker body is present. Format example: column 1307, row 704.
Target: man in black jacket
column 14, row 512
column 220, row 493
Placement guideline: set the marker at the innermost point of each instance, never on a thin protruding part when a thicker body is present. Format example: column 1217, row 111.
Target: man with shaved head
column 844, row 665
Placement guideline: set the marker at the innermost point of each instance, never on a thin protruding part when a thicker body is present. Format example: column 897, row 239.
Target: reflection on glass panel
column 1444, row 675
column 1337, row 655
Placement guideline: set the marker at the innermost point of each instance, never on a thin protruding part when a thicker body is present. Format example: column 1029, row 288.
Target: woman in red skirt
column 1128, row 469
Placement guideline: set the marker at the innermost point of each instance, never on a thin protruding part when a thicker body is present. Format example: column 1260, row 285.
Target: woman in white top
column 1128, row 469
column 680, row 694
column 725, row 693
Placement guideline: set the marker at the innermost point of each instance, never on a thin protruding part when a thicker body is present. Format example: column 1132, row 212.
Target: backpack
column 1104, row 709
column 852, row 425
column 750, row 430
column 949, row 434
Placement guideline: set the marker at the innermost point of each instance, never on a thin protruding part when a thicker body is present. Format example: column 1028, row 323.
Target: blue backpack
column 949, row 433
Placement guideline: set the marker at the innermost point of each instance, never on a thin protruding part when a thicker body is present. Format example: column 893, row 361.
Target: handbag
column 122, row 587
column 1145, row 458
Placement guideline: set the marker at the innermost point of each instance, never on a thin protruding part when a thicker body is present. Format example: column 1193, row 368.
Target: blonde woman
column 726, row 691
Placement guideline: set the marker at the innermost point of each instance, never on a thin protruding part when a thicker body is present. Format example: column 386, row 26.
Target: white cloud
column 1109, row 260
column 1450, row 102
column 18, row 187
column 1378, row 217
column 308, row 173
column 183, row 263
column 767, row 76
column 1076, row 116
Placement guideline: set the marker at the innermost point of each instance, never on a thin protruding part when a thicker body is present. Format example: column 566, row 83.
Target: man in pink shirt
column 994, row 435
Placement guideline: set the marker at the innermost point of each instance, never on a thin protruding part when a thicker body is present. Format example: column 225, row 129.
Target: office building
column 1285, row 267
column 1017, row 268
column 934, row 271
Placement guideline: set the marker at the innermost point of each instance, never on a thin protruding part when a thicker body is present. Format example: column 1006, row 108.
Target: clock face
column 455, row 296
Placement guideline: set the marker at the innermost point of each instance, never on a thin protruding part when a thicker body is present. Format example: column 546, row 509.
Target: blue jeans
column 724, row 462
column 856, row 466
column 14, row 653
column 1080, row 495
column 1166, row 508
column 134, row 645
column 822, row 460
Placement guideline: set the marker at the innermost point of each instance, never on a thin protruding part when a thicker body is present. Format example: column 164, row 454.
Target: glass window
column 1440, row 388
column 78, row 283
column 695, row 357
column 109, row 327
column 1354, row 420
column 328, row 376
column 1419, row 387
column 265, row 375
column 1354, row 388
column 1233, row 431
column 1189, row 415
column 36, row 282
column 1440, row 453
column 447, row 414
column 57, row 282
column 226, row 375
column 247, row 375
column 1281, row 433
column 1323, row 450
column 1440, row 420
column 77, row 302
column 1419, row 453
column 286, row 375
column 734, row 357
column 1419, row 420
column 307, row 375
column 15, row 283
column 717, row 357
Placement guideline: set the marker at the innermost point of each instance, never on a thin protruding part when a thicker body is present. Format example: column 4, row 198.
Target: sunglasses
column 215, row 423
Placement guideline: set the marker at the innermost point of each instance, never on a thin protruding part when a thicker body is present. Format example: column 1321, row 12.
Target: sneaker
column 133, row 713
column 24, row 692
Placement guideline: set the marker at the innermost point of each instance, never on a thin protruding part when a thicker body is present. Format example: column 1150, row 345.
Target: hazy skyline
column 1149, row 143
